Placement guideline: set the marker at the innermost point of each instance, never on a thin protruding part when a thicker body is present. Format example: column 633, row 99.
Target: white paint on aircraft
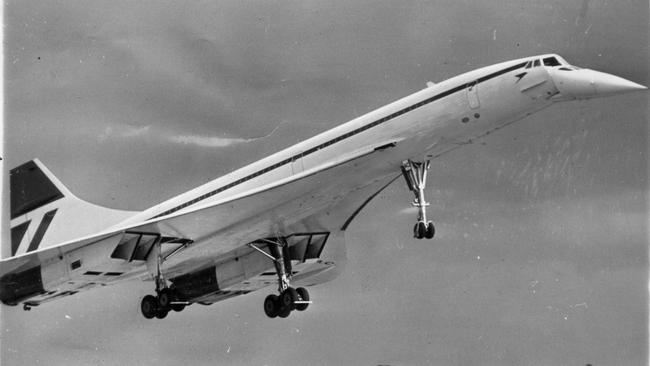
column 305, row 195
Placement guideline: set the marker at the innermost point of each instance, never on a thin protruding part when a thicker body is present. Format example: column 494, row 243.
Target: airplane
column 281, row 220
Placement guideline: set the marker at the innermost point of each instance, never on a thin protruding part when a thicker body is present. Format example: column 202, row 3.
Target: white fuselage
column 311, row 190
column 424, row 125
column 430, row 122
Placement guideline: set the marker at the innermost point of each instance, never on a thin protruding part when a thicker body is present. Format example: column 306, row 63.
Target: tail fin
column 45, row 213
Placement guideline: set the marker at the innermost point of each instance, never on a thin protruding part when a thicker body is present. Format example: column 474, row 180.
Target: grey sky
column 541, row 250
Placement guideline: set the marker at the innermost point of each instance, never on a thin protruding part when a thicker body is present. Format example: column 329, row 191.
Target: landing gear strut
column 166, row 298
column 415, row 174
column 289, row 298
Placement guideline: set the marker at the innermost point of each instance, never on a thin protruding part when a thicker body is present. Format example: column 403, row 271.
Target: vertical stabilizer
column 44, row 212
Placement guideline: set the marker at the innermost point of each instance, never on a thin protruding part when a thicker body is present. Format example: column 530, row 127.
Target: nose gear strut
column 415, row 174
column 289, row 298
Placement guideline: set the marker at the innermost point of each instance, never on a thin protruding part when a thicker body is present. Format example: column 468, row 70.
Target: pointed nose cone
column 585, row 84
column 607, row 84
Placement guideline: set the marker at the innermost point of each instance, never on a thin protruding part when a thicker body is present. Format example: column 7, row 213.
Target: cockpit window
column 536, row 63
column 565, row 69
column 529, row 64
column 551, row 61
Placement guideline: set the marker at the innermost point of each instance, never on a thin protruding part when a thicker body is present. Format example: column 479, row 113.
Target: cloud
column 206, row 141
column 123, row 132
column 216, row 141
column 108, row 131
column 133, row 131
column 129, row 132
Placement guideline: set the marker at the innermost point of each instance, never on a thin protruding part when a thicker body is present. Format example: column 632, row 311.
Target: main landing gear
column 289, row 298
column 415, row 174
column 159, row 306
column 166, row 298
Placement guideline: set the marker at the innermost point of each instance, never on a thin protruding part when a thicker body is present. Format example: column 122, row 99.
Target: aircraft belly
column 326, row 201
column 322, row 200
column 317, row 203
column 440, row 128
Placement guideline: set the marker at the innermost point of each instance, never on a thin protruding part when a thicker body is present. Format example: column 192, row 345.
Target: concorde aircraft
column 281, row 220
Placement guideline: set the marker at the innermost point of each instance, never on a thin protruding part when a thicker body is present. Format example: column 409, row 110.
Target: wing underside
column 194, row 239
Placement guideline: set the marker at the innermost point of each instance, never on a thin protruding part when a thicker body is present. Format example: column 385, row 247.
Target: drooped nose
column 585, row 83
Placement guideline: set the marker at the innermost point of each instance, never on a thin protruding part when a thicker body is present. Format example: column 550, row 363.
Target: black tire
column 284, row 313
column 431, row 231
column 162, row 313
column 304, row 296
column 149, row 306
column 421, row 229
column 272, row 306
column 165, row 297
column 287, row 298
column 177, row 307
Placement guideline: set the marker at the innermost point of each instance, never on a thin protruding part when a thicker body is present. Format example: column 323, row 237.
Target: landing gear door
column 472, row 95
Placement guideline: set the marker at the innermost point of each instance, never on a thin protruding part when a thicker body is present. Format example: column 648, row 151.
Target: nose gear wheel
column 415, row 174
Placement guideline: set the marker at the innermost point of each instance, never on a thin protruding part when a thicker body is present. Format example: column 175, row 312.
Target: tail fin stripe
column 42, row 228
column 17, row 234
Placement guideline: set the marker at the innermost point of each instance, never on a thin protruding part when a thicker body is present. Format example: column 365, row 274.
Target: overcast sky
column 540, row 256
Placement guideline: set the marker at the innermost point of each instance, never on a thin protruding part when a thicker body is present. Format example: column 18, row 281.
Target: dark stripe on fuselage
column 342, row 137
column 42, row 228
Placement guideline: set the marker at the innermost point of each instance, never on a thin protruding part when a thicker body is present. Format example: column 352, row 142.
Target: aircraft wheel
column 177, row 307
column 431, row 231
column 162, row 313
column 304, row 296
column 272, row 306
column 288, row 297
column 284, row 313
column 165, row 298
column 148, row 306
column 420, row 230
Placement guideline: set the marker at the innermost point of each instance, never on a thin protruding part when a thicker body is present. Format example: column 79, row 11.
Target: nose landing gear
column 290, row 298
column 415, row 174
